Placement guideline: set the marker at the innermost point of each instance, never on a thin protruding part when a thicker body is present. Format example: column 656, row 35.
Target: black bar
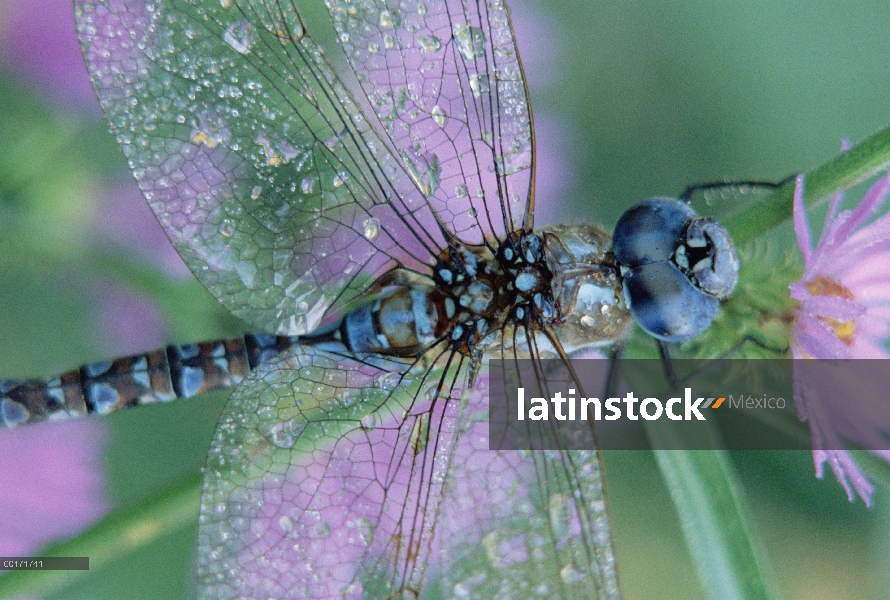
column 44, row 563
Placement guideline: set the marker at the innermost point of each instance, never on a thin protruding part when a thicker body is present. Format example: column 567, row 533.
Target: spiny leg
column 687, row 194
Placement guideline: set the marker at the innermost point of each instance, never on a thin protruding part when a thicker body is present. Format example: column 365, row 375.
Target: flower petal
column 871, row 272
column 855, row 257
column 799, row 291
column 828, row 254
column 866, row 349
column 871, row 201
column 844, row 467
column 801, row 226
column 816, row 340
column 832, row 307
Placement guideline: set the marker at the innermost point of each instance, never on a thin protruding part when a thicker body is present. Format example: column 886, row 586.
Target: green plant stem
column 864, row 160
column 704, row 492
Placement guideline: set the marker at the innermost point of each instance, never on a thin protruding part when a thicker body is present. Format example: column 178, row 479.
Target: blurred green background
column 632, row 100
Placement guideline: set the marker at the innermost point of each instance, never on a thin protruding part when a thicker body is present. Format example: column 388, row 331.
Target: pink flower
column 844, row 313
column 844, row 293
column 38, row 43
column 52, row 483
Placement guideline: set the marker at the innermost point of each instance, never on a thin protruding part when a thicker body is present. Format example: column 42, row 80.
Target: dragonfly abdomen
column 177, row 371
column 400, row 320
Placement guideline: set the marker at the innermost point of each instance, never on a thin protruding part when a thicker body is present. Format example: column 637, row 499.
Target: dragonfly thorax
column 473, row 294
column 586, row 286
column 493, row 291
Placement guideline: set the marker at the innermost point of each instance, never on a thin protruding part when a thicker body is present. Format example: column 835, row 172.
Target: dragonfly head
column 676, row 267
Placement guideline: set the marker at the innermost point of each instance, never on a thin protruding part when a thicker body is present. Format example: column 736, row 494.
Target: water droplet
column 570, row 575
column 429, row 43
column 256, row 192
column 389, row 42
column 239, row 36
column 229, row 91
column 473, row 213
column 227, row 227
column 307, row 185
column 425, row 171
column 387, row 21
column 439, row 116
column 340, row 178
column 286, row 523
column 365, row 529
column 371, row 228
column 561, row 514
column 314, row 525
column 369, row 421
column 285, row 434
column 388, row 381
column 461, row 191
column 479, row 84
column 420, row 434
column 470, row 40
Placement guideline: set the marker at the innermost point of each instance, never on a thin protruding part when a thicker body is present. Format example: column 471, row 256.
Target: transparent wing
column 353, row 482
column 446, row 83
column 251, row 153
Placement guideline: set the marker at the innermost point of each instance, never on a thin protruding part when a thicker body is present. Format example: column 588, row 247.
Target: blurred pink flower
column 38, row 42
column 52, row 483
column 122, row 214
column 844, row 313
column 128, row 322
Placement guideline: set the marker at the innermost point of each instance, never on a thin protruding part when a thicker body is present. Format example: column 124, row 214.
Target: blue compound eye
column 662, row 302
column 676, row 267
column 649, row 231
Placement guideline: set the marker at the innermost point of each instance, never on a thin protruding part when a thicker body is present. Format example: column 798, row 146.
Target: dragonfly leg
column 748, row 339
column 716, row 185
column 612, row 378
column 668, row 364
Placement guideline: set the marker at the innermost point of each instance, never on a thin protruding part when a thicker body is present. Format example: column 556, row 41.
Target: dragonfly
column 388, row 249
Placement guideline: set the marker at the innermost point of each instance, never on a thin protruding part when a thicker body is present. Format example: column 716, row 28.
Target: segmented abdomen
column 177, row 371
